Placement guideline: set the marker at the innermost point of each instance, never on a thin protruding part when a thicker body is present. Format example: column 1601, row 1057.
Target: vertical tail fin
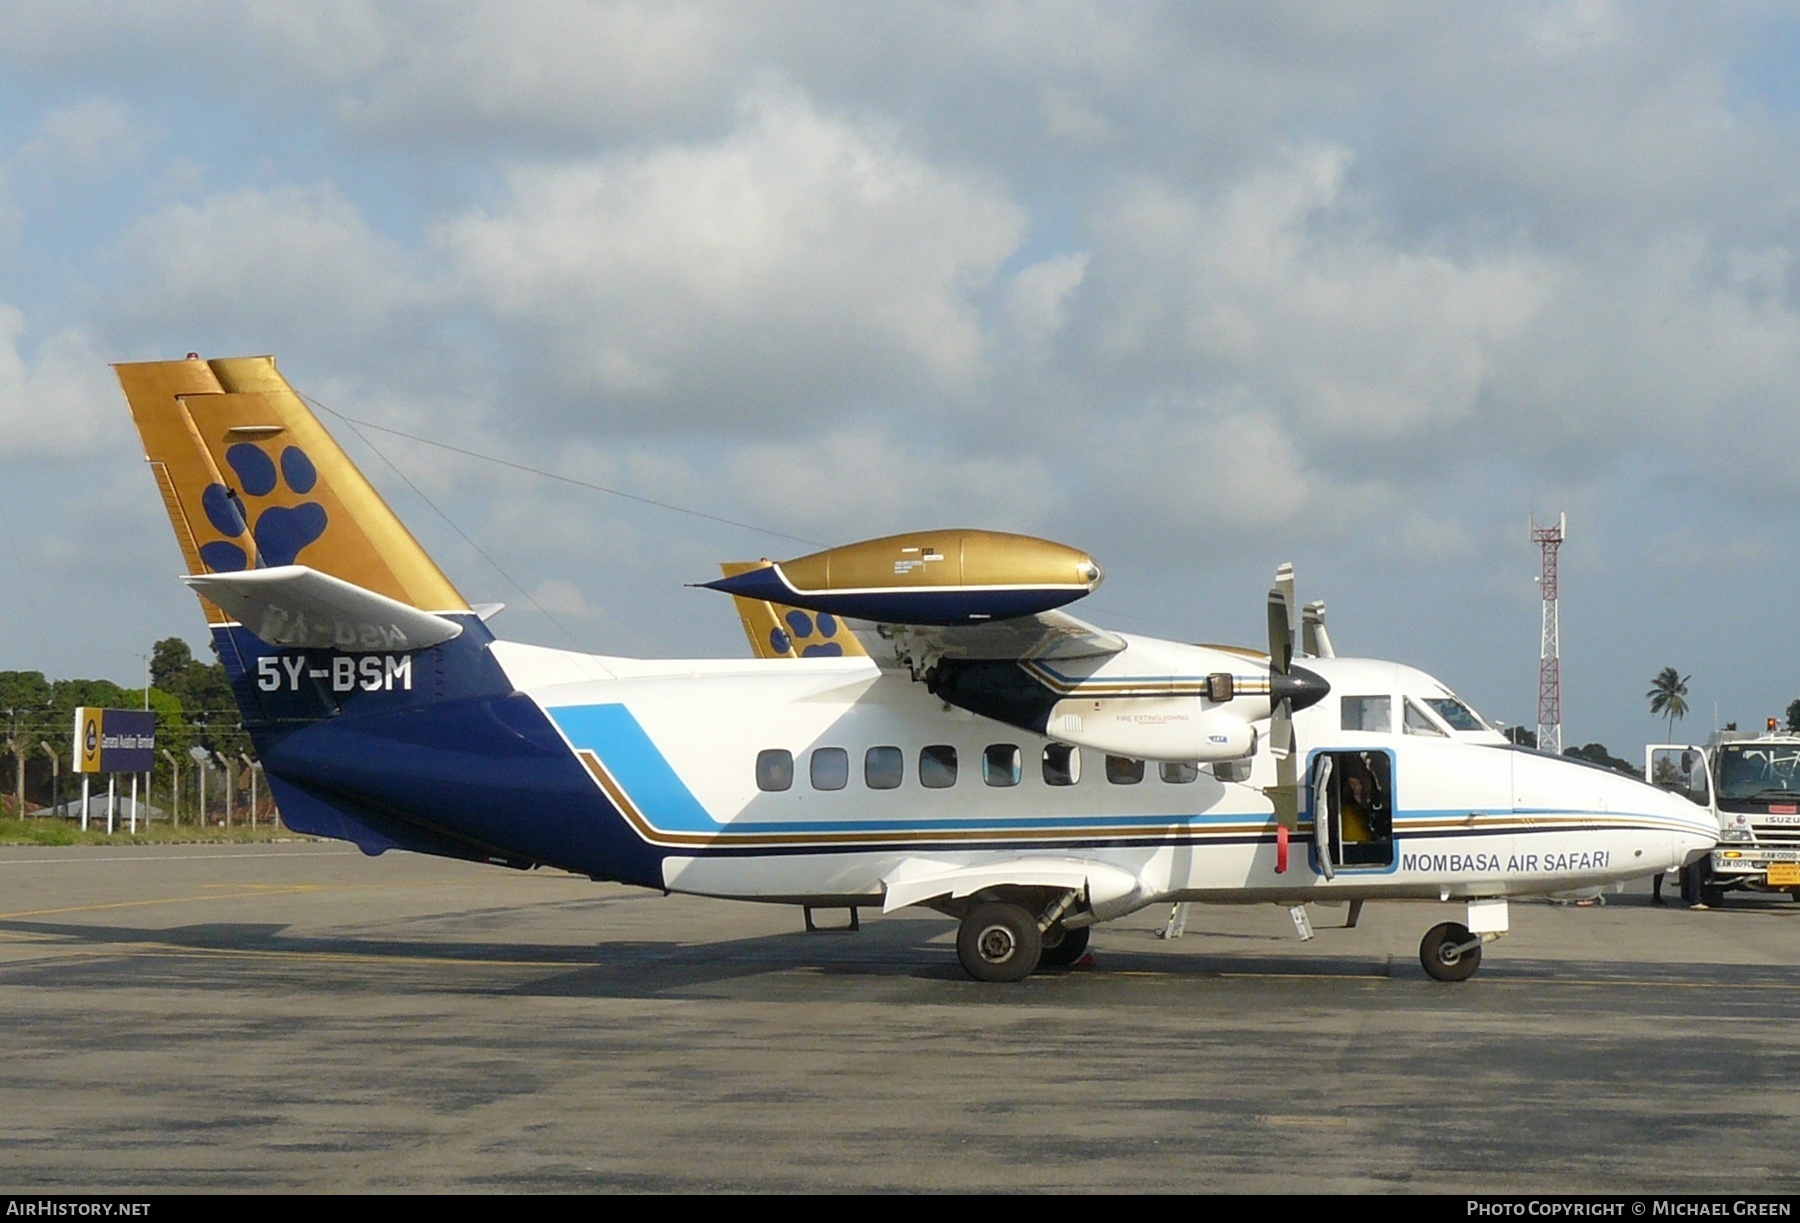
column 778, row 631
column 250, row 480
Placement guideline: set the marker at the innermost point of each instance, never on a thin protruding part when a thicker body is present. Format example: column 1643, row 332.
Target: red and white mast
column 1549, row 728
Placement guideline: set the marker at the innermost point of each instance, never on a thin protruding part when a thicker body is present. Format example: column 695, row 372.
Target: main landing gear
column 1451, row 951
column 1003, row 940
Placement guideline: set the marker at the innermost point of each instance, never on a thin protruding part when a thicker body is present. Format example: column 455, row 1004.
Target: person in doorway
column 1358, row 802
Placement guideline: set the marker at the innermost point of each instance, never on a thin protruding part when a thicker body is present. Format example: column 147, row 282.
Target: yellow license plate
column 1781, row 874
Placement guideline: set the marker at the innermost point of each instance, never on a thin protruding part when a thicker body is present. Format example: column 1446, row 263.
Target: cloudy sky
column 1198, row 288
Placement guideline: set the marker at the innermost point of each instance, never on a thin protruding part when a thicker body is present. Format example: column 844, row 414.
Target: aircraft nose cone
column 1701, row 832
column 1304, row 688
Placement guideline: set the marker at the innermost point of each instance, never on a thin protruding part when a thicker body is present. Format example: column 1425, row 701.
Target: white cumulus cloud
column 800, row 261
column 56, row 400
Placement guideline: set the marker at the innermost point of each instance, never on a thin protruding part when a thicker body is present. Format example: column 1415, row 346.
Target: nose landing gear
column 1451, row 951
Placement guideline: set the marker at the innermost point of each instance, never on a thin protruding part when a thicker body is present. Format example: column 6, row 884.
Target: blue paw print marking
column 280, row 532
column 802, row 629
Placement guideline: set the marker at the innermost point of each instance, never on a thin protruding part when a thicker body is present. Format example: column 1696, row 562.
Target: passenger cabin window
column 830, row 768
column 1368, row 713
column 1178, row 774
column 774, row 769
column 1418, row 722
column 1456, row 715
column 883, row 768
column 937, row 766
column 1124, row 771
column 1231, row 770
column 1062, row 765
column 1000, row 764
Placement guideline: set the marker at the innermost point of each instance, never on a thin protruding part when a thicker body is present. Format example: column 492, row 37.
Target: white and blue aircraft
column 925, row 726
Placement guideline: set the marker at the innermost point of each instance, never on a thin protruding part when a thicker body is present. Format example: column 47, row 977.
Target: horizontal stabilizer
column 294, row 607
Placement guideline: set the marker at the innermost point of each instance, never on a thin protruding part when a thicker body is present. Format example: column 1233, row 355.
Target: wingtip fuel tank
column 928, row 578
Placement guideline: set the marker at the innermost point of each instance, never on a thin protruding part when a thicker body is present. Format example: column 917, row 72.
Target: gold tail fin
column 250, row 479
column 778, row 631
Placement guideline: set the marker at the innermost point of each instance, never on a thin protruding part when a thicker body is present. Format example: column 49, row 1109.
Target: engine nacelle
column 1176, row 728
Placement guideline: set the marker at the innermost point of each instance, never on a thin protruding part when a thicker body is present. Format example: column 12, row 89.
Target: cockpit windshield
column 1759, row 770
column 1456, row 715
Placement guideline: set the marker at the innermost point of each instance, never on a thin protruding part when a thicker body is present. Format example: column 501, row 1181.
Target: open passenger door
column 1352, row 801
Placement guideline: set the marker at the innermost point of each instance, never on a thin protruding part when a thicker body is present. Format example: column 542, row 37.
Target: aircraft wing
column 1048, row 635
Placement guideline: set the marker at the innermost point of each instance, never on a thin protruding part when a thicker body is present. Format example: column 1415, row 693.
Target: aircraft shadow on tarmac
column 918, row 950
column 228, row 954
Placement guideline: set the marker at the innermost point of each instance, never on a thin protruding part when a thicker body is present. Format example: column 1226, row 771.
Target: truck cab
column 1751, row 784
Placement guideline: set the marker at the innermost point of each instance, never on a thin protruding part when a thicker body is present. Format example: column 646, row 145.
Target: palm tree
column 1668, row 695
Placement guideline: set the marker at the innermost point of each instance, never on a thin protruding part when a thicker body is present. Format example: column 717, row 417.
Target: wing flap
column 296, row 607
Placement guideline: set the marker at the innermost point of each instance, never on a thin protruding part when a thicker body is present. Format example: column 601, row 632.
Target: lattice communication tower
column 1549, row 728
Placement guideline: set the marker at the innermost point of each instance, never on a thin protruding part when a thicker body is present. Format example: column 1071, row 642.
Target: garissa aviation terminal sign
column 114, row 740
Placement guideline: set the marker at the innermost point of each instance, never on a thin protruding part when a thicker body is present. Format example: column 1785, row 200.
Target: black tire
column 1437, row 952
column 1062, row 947
column 1690, row 882
column 999, row 942
column 1711, row 895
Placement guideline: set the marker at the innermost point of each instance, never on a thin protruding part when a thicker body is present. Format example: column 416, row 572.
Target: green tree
column 1668, row 696
column 205, row 696
column 1596, row 753
column 24, row 695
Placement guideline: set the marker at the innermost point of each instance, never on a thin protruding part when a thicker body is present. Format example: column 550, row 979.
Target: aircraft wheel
column 999, row 942
column 1438, row 953
column 1062, row 947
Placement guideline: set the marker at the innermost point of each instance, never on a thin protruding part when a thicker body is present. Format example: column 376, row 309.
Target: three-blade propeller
column 1286, row 792
column 1291, row 688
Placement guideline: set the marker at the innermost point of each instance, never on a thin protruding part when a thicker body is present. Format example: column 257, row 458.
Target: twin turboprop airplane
column 970, row 747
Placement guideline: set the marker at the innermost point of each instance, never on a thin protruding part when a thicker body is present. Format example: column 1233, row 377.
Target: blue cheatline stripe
column 641, row 769
column 644, row 773
column 612, row 734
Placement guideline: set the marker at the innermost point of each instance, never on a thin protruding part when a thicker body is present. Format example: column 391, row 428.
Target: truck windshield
column 1759, row 771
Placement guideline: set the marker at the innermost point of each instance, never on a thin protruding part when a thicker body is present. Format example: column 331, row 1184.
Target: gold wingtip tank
column 956, row 576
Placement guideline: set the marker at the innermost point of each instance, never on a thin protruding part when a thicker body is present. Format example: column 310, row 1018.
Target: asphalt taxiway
column 297, row 1016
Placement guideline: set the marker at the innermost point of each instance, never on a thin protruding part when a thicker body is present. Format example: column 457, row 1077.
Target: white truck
column 1751, row 783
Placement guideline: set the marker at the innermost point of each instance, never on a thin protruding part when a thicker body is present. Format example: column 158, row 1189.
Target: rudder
column 250, row 479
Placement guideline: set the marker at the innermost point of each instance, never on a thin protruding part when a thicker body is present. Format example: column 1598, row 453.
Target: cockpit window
column 1418, row 722
column 1368, row 713
column 1456, row 714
